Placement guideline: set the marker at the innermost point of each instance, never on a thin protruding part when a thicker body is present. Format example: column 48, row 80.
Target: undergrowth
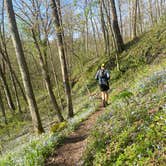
column 38, row 148
column 132, row 130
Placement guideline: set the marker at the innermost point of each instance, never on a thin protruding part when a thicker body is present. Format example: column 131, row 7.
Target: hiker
column 103, row 76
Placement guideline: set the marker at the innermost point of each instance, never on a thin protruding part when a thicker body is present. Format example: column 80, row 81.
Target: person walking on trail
column 103, row 76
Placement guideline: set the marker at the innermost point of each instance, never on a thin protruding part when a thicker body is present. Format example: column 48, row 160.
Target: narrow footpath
column 70, row 153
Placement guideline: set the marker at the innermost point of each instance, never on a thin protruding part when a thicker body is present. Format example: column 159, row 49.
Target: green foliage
column 147, row 49
column 132, row 130
column 58, row 127
column 115, row 75
column 125, row 94
column 131, row 134
column 128, row 134
column 35, row 151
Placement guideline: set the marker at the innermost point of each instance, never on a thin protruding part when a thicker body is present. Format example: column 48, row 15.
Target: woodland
column 50, row 103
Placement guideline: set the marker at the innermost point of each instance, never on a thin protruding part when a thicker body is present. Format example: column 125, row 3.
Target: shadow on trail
column 74, row 139
column 70, row 151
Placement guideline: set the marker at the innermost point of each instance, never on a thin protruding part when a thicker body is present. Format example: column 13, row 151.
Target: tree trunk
column 109, row 25
column 15, row 92
column 62, row 57
column 140, row 16
column 151, row 12
column 20, row 87
column 94, row 34
column 61, row 24
column 120, row 14
column 130, row 18
column 86, row 28
column 5, row 57
column 104, row 29
column 113, row 38
column 23, row 68
column 7, row 91
column 135, row 5
column 158, row 10
column 47, row 80
column 116, row 30
column 97, row 29
column 3, row 109
column 55, row 77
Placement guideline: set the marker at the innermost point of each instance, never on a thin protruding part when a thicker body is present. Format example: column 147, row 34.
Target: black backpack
column 102, row 74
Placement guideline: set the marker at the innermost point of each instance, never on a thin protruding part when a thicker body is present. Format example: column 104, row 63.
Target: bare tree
column 116, row 30
column 104, row 29
column 46, row 77
column 6, row 89
column 59, row 33
column 151, row 12
column 120, row 15
column 3, row 108
column 5, row 58
column 135, row 6
column 23, row 68
column 140, row 16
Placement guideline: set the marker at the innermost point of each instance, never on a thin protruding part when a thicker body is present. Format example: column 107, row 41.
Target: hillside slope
column 132, row 128
column 132, row 131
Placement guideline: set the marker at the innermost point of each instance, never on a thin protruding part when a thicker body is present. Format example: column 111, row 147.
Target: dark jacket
column 102, row 76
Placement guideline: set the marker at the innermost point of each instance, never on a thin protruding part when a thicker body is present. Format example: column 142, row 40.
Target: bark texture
column 23, row 67
column 61, row 50
column 116, row 30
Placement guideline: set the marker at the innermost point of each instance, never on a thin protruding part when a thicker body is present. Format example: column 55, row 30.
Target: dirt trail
column 70, row 153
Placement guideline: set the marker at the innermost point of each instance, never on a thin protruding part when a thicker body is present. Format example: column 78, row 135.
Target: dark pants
column 104, row 87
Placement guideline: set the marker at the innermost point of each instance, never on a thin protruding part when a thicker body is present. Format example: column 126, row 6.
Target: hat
column 103, row 65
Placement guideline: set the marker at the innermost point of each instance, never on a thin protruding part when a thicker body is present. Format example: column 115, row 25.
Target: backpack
column 103, row 77
column 102, row 74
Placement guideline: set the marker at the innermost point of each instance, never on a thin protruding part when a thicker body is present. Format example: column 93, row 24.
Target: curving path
column 70, row 153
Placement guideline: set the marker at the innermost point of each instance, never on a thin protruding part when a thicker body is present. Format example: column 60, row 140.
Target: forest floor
column 73, row 147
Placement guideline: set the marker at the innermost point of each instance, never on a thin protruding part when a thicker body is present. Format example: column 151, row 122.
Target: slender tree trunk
column 63, row 36
column 113, row 37
column 104, row 30
column 62, row 57
column 58, row 88
column 94, row 35
column 140, row 16
column 158, row 10
column 7, row 91
column 13, row 80
column 5, row 57
column 151, row 12
column 116, row 30
column 130, row 18
column 163, row 6
column 86, row 28
column 23, row 68
column 15, row 93
column 109, row 24
column 55, row 77
column 47, row 80
column 120, row 14
column 97, row 29
column 20, row 87
column 3, row 109
column 135, row 6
